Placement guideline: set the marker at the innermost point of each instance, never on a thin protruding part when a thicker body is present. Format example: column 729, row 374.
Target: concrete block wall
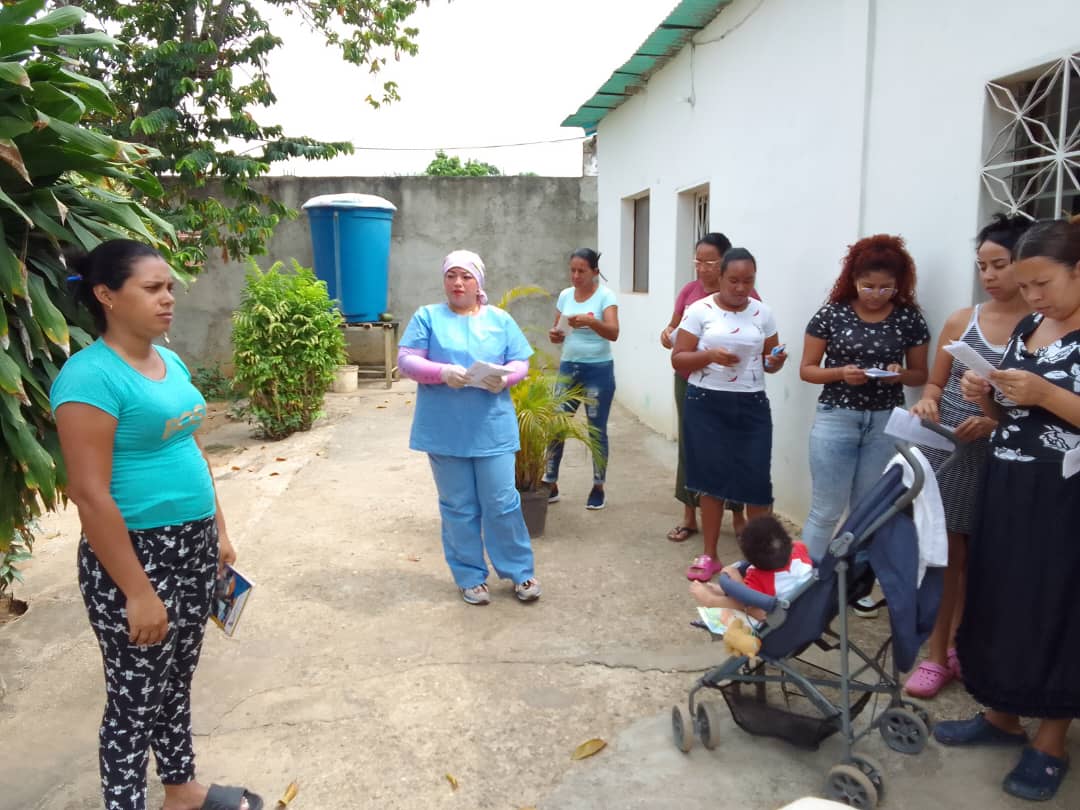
column 523, row 227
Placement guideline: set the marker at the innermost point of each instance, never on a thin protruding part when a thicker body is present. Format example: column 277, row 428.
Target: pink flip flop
column 927, row 680
column 703, row 568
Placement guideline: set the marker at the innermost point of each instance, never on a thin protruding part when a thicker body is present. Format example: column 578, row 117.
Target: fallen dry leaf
column 281, row 458
column 234, row 467
column 274, row 473
column 379, row 407
column 452, row 780
column 588, row 748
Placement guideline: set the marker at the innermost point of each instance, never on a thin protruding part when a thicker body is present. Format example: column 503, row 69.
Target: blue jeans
column 848, row 454
column 598, row 380
column 481, row 510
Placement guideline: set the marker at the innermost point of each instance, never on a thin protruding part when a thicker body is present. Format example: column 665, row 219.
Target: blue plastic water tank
column 350, row 235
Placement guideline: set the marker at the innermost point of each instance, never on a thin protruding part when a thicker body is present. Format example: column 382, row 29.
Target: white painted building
column 796, row 127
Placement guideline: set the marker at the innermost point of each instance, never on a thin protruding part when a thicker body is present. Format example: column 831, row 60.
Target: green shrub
column 287, row 343
column 213, row 384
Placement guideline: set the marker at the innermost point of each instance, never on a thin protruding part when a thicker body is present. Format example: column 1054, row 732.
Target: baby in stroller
column 774, row 565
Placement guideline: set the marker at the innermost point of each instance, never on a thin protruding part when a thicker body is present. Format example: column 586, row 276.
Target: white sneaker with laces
column 527, row 591
column 477, row 595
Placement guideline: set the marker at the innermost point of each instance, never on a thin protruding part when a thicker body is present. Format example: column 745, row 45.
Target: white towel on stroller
column 928, row 514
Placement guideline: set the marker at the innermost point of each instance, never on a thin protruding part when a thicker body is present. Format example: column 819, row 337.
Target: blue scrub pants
column 481, row 509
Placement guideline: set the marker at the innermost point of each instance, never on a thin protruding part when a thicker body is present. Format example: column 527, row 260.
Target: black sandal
column 231, row 798
column 680, row 534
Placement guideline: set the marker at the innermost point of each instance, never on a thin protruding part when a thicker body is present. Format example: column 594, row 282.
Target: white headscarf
column 467, row 260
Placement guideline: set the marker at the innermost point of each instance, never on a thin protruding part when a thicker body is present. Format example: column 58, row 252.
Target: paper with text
column 908, row 427
column 480, row 371
column 970, row 358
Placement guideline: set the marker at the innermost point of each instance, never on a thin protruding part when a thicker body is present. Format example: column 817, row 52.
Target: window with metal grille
column 701, row 215
column 641, row 244
column 1032, row 165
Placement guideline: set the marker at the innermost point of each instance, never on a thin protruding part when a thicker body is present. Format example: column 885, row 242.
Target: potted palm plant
column 539, row 403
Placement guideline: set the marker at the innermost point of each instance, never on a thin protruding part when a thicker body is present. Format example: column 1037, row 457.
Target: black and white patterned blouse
column 1031, row 433
column 849, row 340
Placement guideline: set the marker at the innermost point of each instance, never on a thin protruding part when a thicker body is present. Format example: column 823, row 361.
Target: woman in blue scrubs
column 467, row 426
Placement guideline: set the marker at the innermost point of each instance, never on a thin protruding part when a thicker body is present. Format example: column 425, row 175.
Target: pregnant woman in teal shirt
column 153, row 536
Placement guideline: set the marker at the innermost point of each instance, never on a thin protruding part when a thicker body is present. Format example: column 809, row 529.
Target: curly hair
column 882, row 252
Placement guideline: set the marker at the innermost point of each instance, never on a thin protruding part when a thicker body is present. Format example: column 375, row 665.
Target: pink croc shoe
column 703, row 568
column 927, row 680
column 954, row 665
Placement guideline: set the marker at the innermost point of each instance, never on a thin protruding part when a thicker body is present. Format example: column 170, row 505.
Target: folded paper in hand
column 907, row 426
column 880, row 373
column 563, row 325
column 480, row 371
column 231, row 592
column 970, row 358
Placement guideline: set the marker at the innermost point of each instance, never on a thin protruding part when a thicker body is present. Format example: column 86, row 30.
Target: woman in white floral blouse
column 1019, row 642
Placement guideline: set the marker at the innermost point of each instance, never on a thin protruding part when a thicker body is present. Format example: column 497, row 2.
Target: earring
column 110, row 306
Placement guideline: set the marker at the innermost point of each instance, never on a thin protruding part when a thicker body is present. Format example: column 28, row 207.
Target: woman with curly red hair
column 874, row 340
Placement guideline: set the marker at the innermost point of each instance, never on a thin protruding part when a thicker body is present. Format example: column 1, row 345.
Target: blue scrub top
column 464, row 422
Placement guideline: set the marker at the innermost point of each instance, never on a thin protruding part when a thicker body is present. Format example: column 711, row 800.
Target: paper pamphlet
column 480, row 371
column 563, row 325
column 970, row 358
column 231, row 592
column 908, row 427
column 879, row 373
column 717, row 620
column 1070, row 464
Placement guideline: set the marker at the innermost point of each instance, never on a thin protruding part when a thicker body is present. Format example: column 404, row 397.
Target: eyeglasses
column 876, row 290
column 710, row 263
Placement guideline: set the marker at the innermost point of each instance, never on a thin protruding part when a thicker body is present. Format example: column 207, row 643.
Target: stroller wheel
column 872, row 768
column 848, row 785
column 682, row 728
column 708, row 724
column 903, row 730
column 920, row 710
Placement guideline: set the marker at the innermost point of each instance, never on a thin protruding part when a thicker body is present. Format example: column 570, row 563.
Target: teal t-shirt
column 159, row 476
column 464, row 422
column 583, row 345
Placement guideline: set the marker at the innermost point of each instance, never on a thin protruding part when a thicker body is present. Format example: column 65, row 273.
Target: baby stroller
column 878, row 538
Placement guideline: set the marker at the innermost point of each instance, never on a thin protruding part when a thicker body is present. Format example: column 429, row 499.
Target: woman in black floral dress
column 1019, row 643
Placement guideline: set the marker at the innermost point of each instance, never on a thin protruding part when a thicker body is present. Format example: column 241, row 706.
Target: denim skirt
column 727, row 437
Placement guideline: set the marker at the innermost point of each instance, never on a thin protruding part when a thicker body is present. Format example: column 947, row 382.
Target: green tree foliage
column 445, row 166
column 287, row 344
column 189, row 76
column 62, row 185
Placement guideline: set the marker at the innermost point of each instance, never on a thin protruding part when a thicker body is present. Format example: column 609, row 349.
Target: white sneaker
column 866, row 608
column 527, row 591
column 477, row 595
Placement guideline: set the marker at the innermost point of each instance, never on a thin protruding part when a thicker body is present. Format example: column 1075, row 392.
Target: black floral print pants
column 148, row 688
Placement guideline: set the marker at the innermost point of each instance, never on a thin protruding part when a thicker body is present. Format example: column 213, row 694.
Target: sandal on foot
column 681, row 534
column 231, row 798
column 1037, row 776
column 703, row 568
column 928, row 679
column 976, row 731
column 953, row 662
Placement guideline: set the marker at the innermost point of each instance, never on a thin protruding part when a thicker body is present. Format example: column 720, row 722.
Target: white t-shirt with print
column 742, row 333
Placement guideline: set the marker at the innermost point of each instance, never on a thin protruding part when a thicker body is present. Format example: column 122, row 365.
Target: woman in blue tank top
column 153, row 537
